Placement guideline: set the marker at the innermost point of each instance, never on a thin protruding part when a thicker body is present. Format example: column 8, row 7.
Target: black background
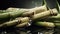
column 4, row 4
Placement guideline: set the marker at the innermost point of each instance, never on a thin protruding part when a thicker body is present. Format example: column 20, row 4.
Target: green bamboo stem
column 11, row 14
column 57, row 24
column 45, row 24
column 59, row 9
column 2, row 11
column 15, row 9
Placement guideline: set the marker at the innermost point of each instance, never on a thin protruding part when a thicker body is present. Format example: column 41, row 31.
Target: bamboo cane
column 15, row 12
column 54, row 19
column 45, row 24
column 15, row 22
column 2, row 11
column 10, row 14
column 35, row 10
column 44, row 14
column 57, row 24
column 23, row 24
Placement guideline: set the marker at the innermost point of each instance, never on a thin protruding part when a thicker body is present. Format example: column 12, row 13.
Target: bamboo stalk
column 16, row 9
column 10, row 14
column 44, row 14
column 45, row 24
column 54, row 19
column 23, row 19
column 2, row 11
column 22, row 24
column 15, row 12
column 57, row 24
column 35, row 10
column 15, row 22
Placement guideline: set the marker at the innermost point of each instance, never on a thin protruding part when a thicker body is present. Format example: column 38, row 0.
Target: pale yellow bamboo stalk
column 23, row 24
column 44, row 14
column 15, row 22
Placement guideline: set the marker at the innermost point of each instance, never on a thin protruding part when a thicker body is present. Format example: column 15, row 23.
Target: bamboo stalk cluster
column 22, row 17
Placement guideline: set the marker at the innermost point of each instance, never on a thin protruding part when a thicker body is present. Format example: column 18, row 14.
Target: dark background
column 4, row 4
